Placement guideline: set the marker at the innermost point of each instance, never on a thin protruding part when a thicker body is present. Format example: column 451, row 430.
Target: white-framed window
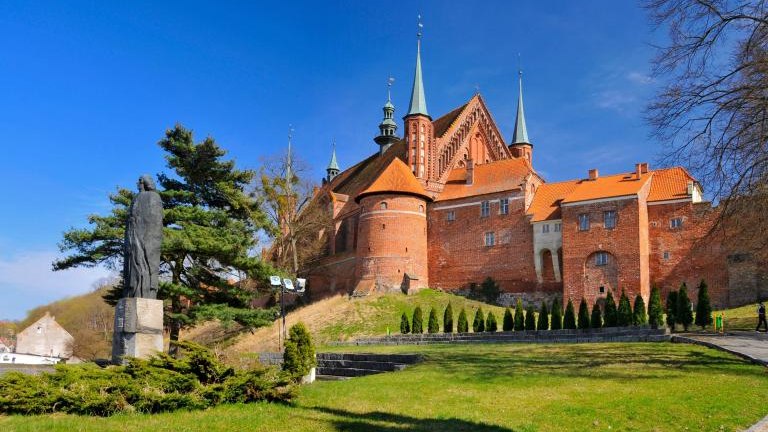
column 676, row 223
column 383, row 206
column 490, row 238
column 609, row 219
column 584, row 222
column 450, row 216
column 666, row 255
column 504, row 206
column 558, row 227
column 485, row 208
column 601, row 258
column 545, row 228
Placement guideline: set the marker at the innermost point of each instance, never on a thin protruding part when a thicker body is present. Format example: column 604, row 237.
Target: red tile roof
column 611, row 186
column 546, row 201
column 669, row 184
column 396, row 178
column 505, row 174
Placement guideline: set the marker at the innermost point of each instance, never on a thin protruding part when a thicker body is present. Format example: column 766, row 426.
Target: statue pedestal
column 138, row 328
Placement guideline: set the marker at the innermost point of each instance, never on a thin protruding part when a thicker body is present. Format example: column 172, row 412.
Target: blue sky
column 88, row 87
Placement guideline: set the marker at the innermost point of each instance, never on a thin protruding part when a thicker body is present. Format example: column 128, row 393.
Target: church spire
column 333, row 167
column 521, row 132
column 387, row 127
column 289, row 160
column 418, row 101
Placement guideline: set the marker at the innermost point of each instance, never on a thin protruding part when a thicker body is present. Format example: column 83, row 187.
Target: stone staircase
column 332, row 366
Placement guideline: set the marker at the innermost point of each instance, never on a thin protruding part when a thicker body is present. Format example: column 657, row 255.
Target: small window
column 504, row 206
column 450, row 216
column 602, row 290
column 666, row 255
column 485, row 208
column 609, row 219
column 676, row 223
column 490, row 239
column 601, row 258
column 383, row 206
column 383, row 226
column 558, row 227
column 421, row 208
column 39, row 330
column 584, row 222
column 545, row 228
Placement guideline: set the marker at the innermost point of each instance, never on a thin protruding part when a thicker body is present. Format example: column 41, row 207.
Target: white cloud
column 639, row 78
column 615, row 100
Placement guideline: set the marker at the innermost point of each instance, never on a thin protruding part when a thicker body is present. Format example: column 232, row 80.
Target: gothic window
column 504, row 206
column 609, row 219
column 601, row 258
column 584, row 222
column 485, row 209
column 490, row 238
column 383, row 206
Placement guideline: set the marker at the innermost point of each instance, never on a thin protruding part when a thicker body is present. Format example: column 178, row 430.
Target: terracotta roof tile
column 546, row 202
column 396, row 178
column 610, row 186
column 669, row 184
column 505, row 174
column 442, row 124
column 358, row 177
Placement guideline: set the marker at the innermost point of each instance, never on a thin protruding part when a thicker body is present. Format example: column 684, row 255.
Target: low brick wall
column 27, row 369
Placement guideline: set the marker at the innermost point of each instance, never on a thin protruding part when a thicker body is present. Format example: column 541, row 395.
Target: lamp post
column 286, row 285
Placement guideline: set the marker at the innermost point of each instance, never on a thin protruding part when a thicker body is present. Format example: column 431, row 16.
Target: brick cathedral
column 453, row 202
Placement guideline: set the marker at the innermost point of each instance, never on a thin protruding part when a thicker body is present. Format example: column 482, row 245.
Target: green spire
column 418, row 101
column 521, row 132
column 387, row 128
column 333, row 167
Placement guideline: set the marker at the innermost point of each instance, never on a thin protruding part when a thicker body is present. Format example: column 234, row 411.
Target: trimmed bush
column 490, row 290
column 301, row 357
column 557, row 315
column 433, row 326
column 519, row 317
column 490, row 323
column 672, row 310
column 405, row 326
column 639, row 317
column 543, row 321
column 569, row 318
column 462, row 326
column 478, row 325
column 448, row 319
column 684, row 314
column 417, row 327
column 703, row 307
column 509, row 322
column 655, row 310
column 611, row 315
column 624, row 315
column 596, row 320
column 583, row 314
column 530, row 318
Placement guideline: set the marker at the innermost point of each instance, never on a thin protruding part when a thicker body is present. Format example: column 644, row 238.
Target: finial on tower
column 521, row 132
column 418, row 102
column 390, row 81
column 387, row 128
column 419, row 27
column 333, row 167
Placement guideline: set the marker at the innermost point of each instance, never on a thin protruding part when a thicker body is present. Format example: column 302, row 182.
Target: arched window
column 383, row 206
column 421, row 208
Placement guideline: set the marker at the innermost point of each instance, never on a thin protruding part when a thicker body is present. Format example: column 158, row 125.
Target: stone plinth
column 138, row 328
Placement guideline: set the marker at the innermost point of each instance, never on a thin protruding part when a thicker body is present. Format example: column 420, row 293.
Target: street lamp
column 286, row 284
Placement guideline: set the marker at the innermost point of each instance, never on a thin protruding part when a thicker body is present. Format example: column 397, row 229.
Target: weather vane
column 390, row 81
column 519, row 67
column 420, row 26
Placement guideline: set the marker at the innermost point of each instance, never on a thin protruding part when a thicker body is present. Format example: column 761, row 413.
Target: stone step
column 378, row 366
column 367, row 357
column 346, row 372
column 331, row 378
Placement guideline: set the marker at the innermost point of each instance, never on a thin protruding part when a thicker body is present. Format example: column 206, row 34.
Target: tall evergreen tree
column 448, row 319
column 569, row 318
column 583, row 314
column 478, row 325
column 462, row 326
column 655, row 309
column 509, row 322
column 405, row 326
column 596, row 320
column 490, row 323
column 557, row 315
column 417, row 326
column 490, row 290
column 703, row 307
column 519, row 317
column 433, row 326
column 624, row 315
column 530, row 318
column 543, row 321
column 672, row 309
column 610, row 312
column 639, row 317
column 684, row 308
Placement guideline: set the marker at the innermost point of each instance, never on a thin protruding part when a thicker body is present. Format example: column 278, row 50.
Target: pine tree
column 478, row 325
column 417, row 326
column 433, row 326
column 672, row 310
column 655, row 310
column 405, row 326
column 519, row 317
column 703, row 307
column 684, row 308
column 611, row 315
column 463, row 325
column 596, row 320
column 543, row 322
column 448, row 319
column 490, row 290
column 530, row 318
column 509, row 322
column 299, row 356
column 490, row 323
column 569, row 319
column 583, row 314
column 624, row 314
column 639, row 316
column 557, row 315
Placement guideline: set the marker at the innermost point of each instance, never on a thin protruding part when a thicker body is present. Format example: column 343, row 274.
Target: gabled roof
column 396, row 178
column 546, row 201
column 442, row 124
column 498, row 176
column 611, row 186
column 670, row 184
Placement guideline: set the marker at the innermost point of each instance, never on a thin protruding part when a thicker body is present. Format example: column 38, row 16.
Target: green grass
column 740, row 318
column 495, row 388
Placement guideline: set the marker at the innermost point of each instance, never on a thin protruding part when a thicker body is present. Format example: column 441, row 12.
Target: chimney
column 470, row 172
column 644, row 167
column 638, row 171
column 690, row 188
column 593, row 174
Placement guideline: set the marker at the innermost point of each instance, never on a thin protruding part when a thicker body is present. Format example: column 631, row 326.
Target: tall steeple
column 419, row 133
column 333, row 167
column 521, row 147
column 387, row 127
column 418, row 101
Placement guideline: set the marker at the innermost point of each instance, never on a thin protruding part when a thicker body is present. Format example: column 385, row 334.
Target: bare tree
column 712, row 111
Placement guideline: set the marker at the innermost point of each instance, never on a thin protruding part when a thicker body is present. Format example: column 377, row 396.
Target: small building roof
column 546, row 201
column 492, row 177
column 610, row 186
column 396, row 178
column 670, row 184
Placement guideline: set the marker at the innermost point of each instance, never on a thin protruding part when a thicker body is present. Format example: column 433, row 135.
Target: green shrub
column 672, row 309
column 418, row 325
column 684, row 314
column 543, row 322
column 655, row 310
column 509, row 322
column 557, row 314
column 583, row 314
column 624, row 314
column 463, row 325
column 703, row 307
column 610, row 312
column 478, row 325
column 490, row 323
column 448, row 319
column 490, row 290
column 569, row 318
column 405, row 326
column 519, row 317
column 299, row 355
column 639, row 317
column 596, row 320
column 530, row 318
column 433, row 326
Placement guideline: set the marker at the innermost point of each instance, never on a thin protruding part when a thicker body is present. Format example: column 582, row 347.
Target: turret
column 333, row 166
column 521, row 147
column 387, row 127
column 418, row 124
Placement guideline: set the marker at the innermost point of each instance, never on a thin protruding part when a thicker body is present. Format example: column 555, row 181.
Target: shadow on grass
column 377, row 421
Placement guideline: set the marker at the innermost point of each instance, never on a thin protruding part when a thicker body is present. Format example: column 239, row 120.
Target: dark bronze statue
column 143, row 237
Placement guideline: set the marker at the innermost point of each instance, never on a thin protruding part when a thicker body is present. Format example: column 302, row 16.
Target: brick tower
column 521, row 147
column 419, row 134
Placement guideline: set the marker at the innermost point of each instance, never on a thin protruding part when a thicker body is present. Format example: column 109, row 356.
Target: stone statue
column 143, row 237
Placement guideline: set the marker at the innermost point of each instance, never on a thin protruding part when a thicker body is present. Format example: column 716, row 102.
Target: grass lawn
column 740, row 318
column 495, row 388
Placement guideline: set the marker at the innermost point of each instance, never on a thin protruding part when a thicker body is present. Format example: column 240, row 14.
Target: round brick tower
column 392, row 236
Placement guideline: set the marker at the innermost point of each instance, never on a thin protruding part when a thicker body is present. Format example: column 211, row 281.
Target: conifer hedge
column 610, row 313
column 583, row 314
column 596, row 320
column 543, row 321
column 703, row 307
column 418, row 326
column 448, row 319
column 655, row 309
column 639, row 316
column 624, row 313
column 569, row 318
column 433, row 326
column 557, row 315
column 671, row 309
column 519, row 317
column 462, row 326
column 509, row 322
column 478, row 325
column 684, row 313
column 490, row 323
column 405, row 326
column 530, row 318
